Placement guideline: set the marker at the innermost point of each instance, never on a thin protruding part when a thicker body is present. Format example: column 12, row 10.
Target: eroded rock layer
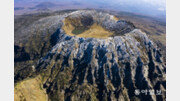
column 113, row 68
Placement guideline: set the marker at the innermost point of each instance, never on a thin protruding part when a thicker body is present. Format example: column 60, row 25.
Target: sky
column 160, row 4
column 147, row 7
column 157, row 3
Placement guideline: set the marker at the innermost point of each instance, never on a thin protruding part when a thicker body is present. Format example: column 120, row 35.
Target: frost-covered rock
column 103, row 69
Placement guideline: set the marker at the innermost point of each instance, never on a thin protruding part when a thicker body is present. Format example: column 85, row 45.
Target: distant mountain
column 18, row 8
column 140, row 7
column 46, row 5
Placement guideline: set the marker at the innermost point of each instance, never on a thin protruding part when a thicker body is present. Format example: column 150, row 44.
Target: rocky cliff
column 122, row 66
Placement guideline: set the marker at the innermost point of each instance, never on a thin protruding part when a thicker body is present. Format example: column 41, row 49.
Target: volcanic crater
column 97, row 57
column 95, row 25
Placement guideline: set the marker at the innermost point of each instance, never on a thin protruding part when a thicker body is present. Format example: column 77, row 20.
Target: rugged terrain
column 87, row 55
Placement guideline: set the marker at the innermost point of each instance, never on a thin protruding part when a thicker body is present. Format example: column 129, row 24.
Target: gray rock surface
column 110, row 69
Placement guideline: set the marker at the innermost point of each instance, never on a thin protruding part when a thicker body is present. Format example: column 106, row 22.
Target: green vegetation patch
column 79, row 30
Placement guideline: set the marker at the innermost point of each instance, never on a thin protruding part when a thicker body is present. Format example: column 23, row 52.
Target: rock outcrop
column 123, row 66
column 112, row 69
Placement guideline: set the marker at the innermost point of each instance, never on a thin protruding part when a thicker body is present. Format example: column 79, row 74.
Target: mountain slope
column 101, row 69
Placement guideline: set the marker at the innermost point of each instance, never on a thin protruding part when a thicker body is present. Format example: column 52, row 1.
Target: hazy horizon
column 156, row 8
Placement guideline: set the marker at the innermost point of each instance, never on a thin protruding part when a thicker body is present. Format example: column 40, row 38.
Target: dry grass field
column 30, row 90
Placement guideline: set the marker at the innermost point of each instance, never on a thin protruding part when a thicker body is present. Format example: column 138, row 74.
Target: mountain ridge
column 80, row 68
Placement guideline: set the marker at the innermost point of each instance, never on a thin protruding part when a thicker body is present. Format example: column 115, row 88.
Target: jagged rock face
column 108, row 69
